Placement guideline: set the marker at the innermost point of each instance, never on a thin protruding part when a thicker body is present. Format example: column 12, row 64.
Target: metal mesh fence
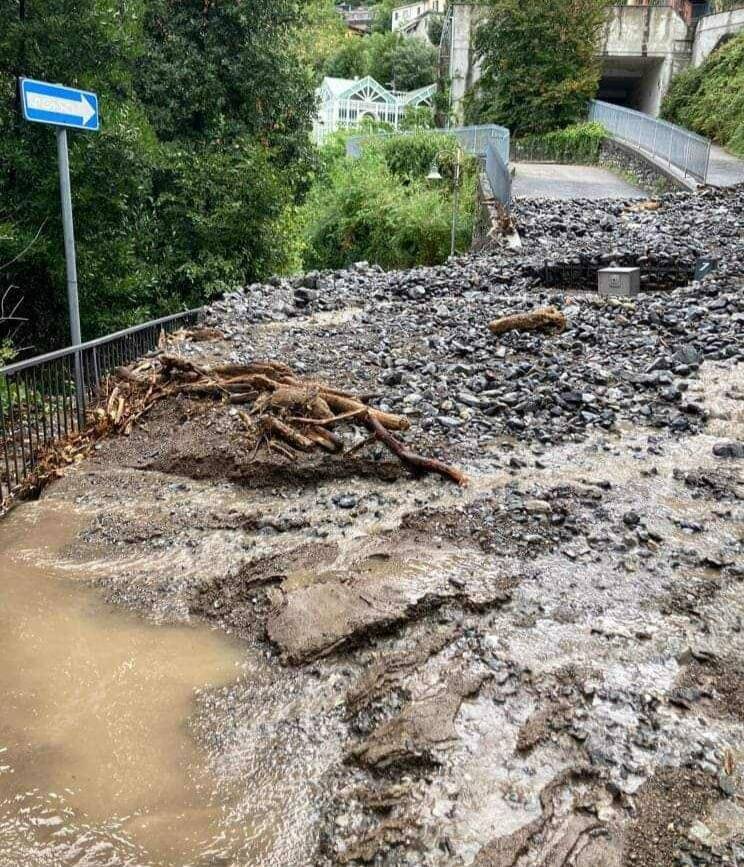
column 45, row 399
column 499, row 176
column 680, row 148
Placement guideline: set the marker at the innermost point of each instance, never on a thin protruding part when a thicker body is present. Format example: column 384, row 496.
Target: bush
column 710, row 99
column 412, row 156
column 578, row 144
column 381, row 209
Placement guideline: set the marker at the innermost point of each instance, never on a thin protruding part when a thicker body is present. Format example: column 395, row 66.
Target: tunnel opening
column 632, row 82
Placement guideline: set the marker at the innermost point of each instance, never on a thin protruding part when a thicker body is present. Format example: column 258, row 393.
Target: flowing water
column 97, row 765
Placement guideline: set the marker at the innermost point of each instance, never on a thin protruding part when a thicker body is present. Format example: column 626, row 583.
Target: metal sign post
column 65, row 107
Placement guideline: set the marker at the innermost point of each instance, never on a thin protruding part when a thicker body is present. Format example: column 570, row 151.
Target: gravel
column 417, row 341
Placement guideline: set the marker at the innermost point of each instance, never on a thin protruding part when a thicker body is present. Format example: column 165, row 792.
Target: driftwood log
column 287, row 413
column 546, row 319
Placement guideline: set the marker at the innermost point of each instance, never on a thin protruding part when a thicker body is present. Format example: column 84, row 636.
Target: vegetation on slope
column 579, row 144
column 710, row 99
column 380, row 208
column 539, row 63
column 204, row 148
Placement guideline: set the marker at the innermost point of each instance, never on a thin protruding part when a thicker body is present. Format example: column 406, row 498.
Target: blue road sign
column 60, row 106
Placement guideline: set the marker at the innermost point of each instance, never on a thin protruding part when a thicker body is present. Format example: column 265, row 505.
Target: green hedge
column 578, row 144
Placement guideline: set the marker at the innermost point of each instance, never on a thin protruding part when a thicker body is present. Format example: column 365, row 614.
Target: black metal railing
column 45, row 399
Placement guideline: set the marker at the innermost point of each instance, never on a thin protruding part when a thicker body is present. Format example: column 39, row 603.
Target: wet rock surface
column 543, row 668
column 417, row 341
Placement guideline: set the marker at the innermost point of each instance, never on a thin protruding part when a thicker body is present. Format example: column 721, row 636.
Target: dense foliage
column 389, row 58
column 539, row 63
column 579, row 144
column 381, row 208
column 710, row 99
column 324, row 34
column 185, row 192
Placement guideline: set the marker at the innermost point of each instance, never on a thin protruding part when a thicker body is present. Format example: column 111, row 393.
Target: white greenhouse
column 344, row 103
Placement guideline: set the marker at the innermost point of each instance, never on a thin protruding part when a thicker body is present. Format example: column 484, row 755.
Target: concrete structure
column 413, row 18
column 714, row 30
column 643, row 48
column 619, row 281
column 344, row 103
column 458, row 58
column 418, row 28
column 357, row 20
column 644, row 45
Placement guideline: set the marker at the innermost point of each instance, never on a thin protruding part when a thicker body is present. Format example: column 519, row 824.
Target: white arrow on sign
column 76, row 108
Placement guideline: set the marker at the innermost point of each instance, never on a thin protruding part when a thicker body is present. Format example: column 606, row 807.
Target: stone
column 729, row 450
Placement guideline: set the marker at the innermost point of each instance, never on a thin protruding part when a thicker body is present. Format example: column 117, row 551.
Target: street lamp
column 435, row 175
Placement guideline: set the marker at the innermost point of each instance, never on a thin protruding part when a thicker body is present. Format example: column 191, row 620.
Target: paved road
column 725, row 169
column 538, row 180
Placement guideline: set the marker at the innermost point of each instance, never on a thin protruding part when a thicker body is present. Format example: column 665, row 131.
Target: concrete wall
column 464, row 68
column 643, row 48
column 712, row 29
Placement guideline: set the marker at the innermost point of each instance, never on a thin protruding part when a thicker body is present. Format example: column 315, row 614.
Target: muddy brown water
column 97, row 765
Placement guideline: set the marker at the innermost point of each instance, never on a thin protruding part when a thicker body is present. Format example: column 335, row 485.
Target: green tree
column 540, row 64
column 203, row 151
column 436, row 27
column 408, row 63
column 384, row 15
column 325, row 34
column 88, row 44
column 388, row 58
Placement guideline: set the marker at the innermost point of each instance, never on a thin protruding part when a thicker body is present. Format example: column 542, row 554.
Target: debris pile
column 285, row 414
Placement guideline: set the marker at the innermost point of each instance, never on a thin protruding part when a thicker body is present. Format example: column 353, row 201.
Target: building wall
column 642, row 46
column 403, row 14
column 650, row 45
column 712, row 29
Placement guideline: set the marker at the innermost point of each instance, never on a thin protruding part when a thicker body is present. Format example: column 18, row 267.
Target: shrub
column 381, row 209
column 578, row 144
column 710, row 99
column 412, row 156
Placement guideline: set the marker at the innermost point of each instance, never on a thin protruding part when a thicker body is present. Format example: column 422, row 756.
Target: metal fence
column 499, row 176
column 679, row 148
column 44, row 399
column 473, row 139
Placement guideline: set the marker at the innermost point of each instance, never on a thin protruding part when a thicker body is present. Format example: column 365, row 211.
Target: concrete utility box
column 619, row 281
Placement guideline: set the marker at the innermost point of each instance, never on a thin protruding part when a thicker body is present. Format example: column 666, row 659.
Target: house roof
column 414, row 97
column 345, row 88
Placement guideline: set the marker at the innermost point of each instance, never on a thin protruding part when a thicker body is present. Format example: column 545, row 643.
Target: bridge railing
column 679, row 148
column 43, row 400
column 473, row 139
column 499, row 176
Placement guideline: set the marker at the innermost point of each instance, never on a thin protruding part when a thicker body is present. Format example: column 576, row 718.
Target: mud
column 97, row 764
column 537, row 670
